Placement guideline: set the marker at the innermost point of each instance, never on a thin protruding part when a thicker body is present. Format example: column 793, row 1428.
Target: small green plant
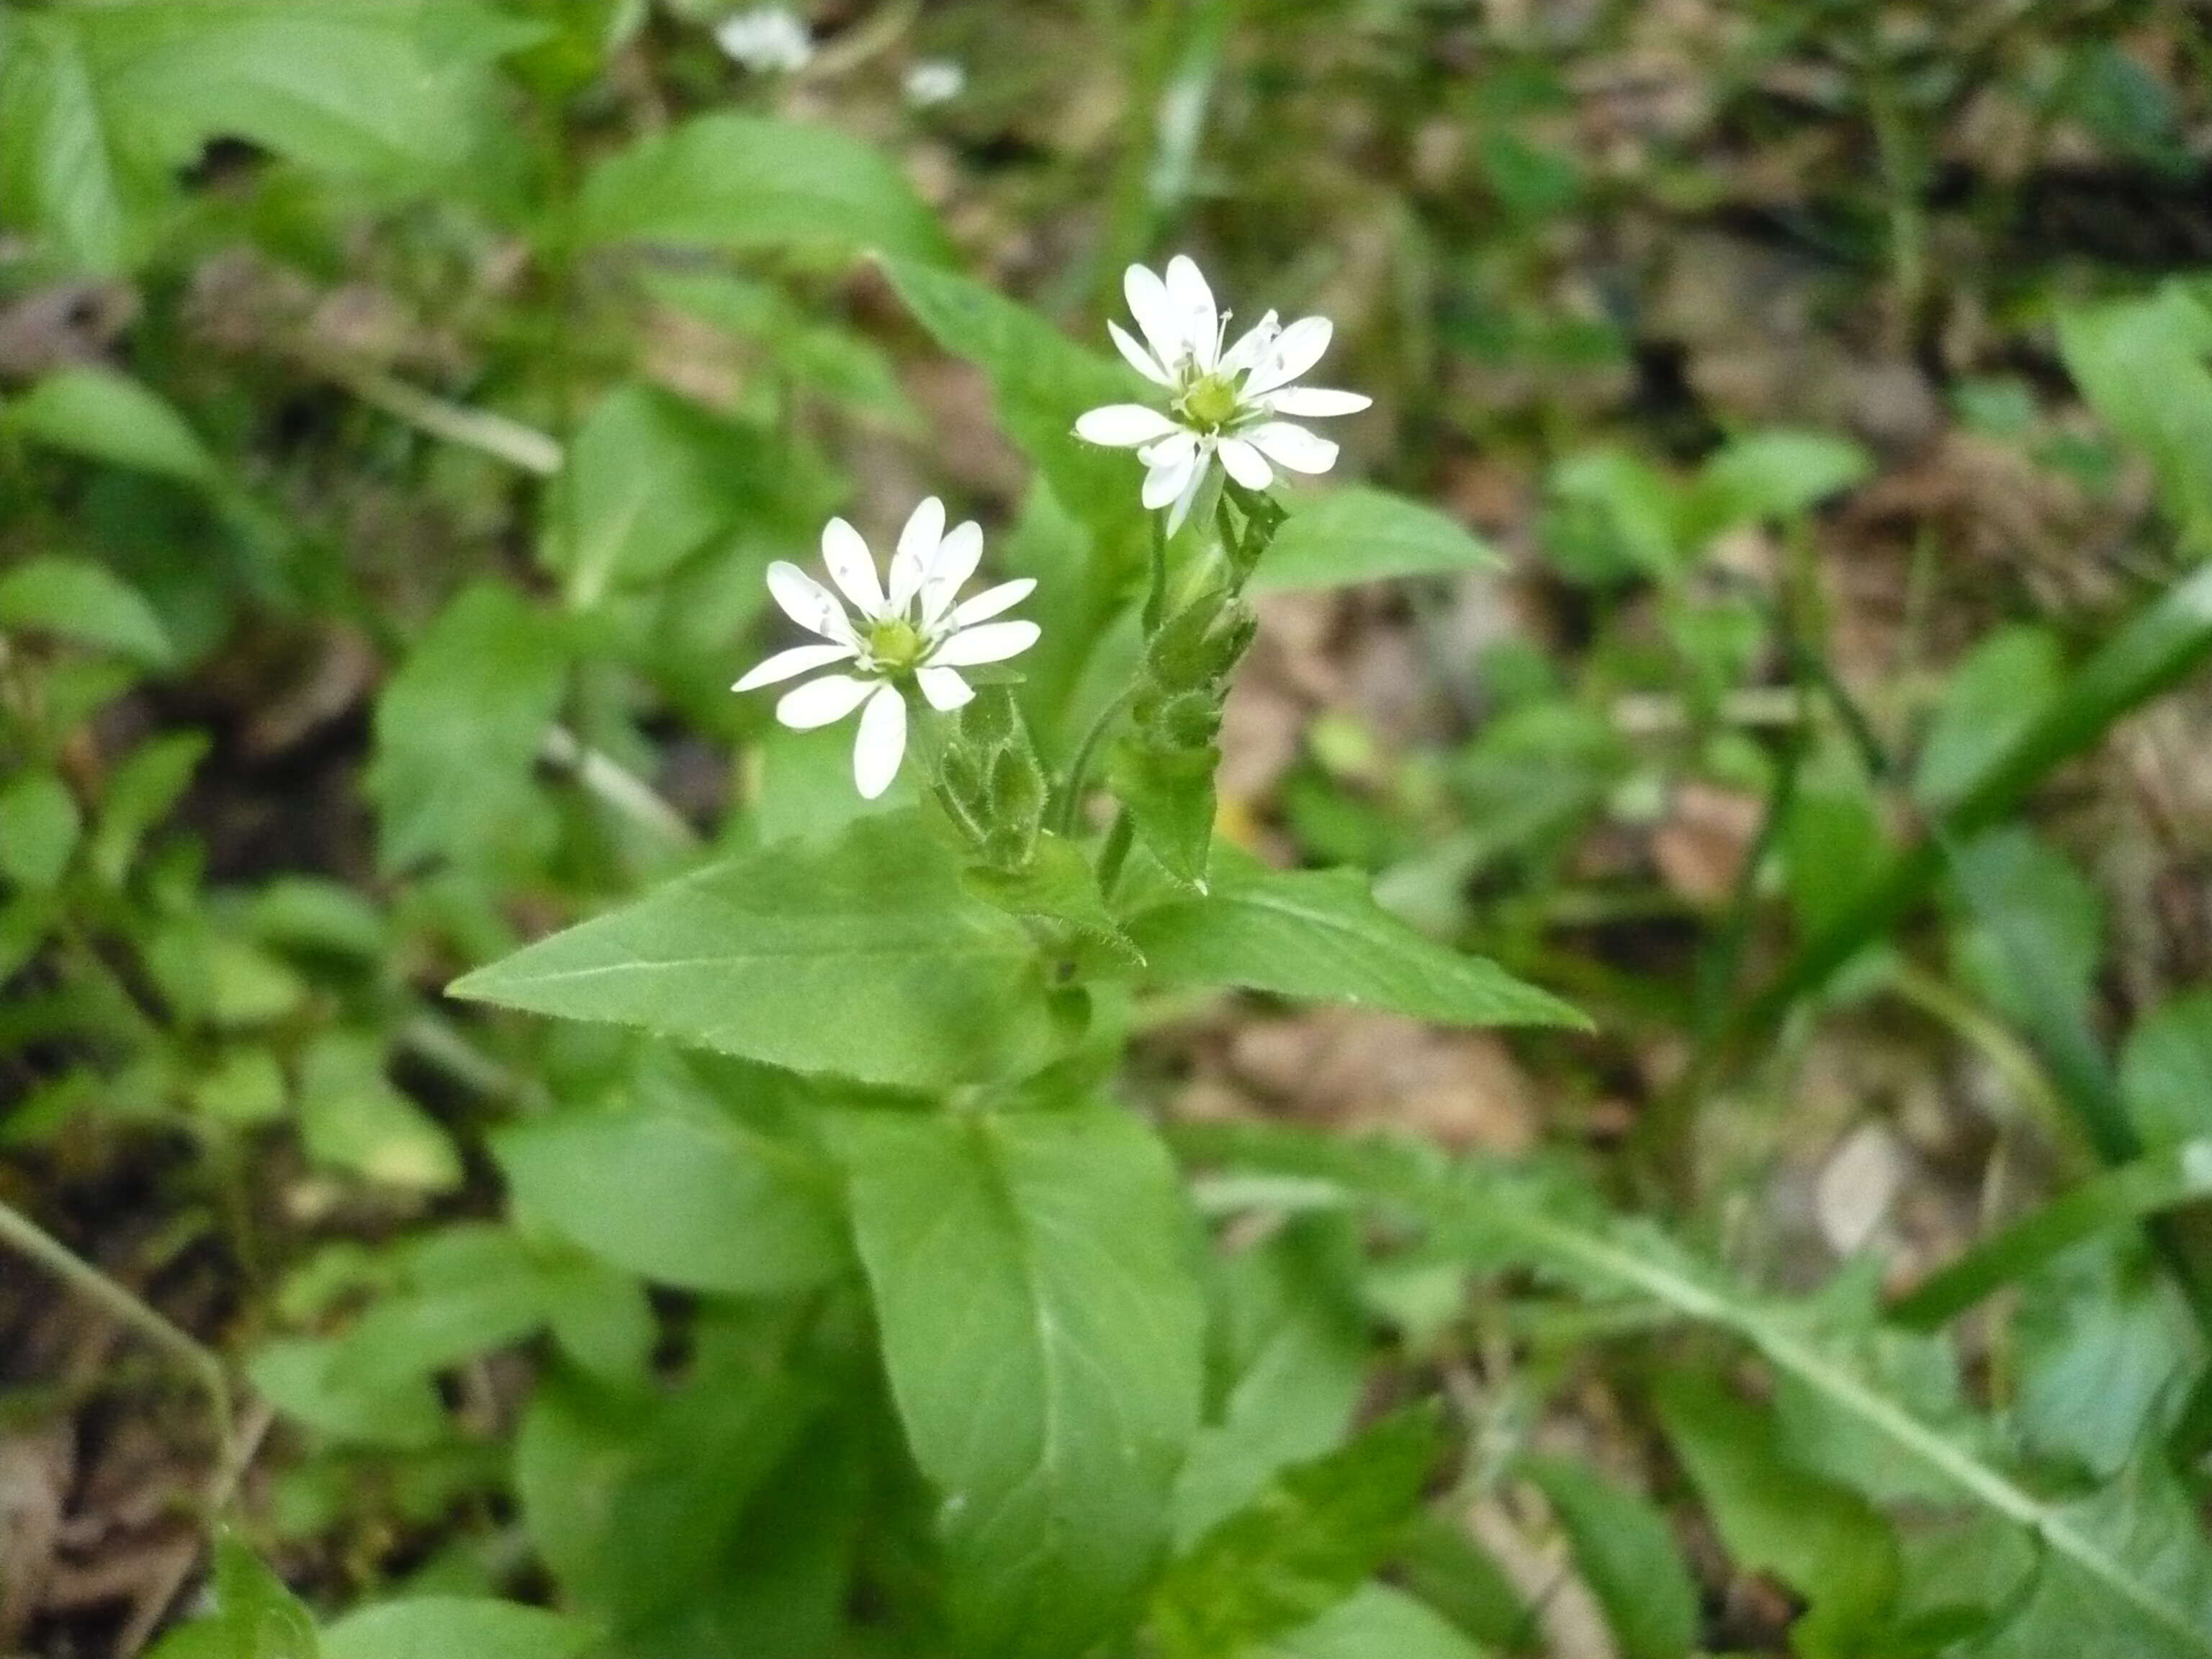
column 633, row 1169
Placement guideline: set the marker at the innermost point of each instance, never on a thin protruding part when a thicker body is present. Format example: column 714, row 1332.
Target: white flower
column 1222, row 403
column 934, row 81
column 914, row 634
column 765, row 39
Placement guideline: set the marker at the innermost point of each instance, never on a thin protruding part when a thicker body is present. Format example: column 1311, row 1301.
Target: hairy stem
column 24, row 1234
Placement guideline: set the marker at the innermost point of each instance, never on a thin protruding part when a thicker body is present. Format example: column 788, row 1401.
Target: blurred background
column 1827, row 376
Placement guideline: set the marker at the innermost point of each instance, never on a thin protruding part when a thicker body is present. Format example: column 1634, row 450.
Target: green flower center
column 895, row 644
column 1210, row 402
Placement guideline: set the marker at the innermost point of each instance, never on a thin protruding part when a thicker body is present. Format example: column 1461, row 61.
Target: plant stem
column 26, row 1236
column 620, row 789
column 1119, row 835
column 1079, row 770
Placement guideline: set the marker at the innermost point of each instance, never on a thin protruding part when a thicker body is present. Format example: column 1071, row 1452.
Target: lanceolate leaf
column 678, row 1192
column 2170, row 1176
column 1040, row 1326
column 1040, row 380
column 864, row 957
column 79, row 600
column 108, row 416
column 2141, row 1577
column 649, row 482
column 2148, row 653
column 57, row 168
column 1320, row 934
column 255, row 1617
column 730, row 181
column 1625, row 1553
column 1357, row 534
column 101, row 107
column 448, row 1626
column 1306, row 1542
column 461, row 725
column 1375, row 1620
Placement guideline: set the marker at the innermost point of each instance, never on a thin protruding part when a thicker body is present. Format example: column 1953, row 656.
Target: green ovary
column 1210, row 402
column 895, row 644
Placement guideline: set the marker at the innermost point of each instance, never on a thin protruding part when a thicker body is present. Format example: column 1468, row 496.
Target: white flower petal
column 1252, row 346
column 992, row 643
column 1193, row 303
column 1171, row 475
column 1298, row 349
column 853, row 568
column 1311, row 401
column 1122, row 426
column 1245, row 464
column 1292, row 446
column 958, row 555
column 1137, row 357
column 945, row 688
column 1183, row 502
column 818, row 702
column 1156, row 316
column 788, row 665
column 881, row 744
column 1174, row 449
column 917, row 551
column 991, row 601
column 807, row 603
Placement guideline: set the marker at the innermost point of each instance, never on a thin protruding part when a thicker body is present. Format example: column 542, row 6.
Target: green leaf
column 1774, row 474
column 39, row 829
column 255, row 1616
column 105, row 415
column 712, row 1518
column 1627, row 1556
column 2025, row 896
column 58, row 172
column 650, row 480
column 1319, row 934
column 1378, row 1622
column 1357, row 534
column 244, row 1088
column 76, row 599
column 294, row 1375
column 1293, row 1397
column 138, row 794
column 352, row 1118
column 1030, row 1271
column 347, row 89
column 743, row 182
column 2142, row 365
column 459, row 726
column 1305, row 1544
column 1056, row 888
column 2176, row 1174
column 2165, row 1071
column 930, row 986
column 1825, row 1542
column 455, row 1627
column 2103, row 1353
column 1040, row 380
column 2154, row 649
column 1481, row 1211
column 1441, row 1563
column 1169, row 796
column 2001, row 689
column 1832, row 838
column 680, row 1191
column 1613, row 518
column 463, row 1291
column 2164, row 1608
